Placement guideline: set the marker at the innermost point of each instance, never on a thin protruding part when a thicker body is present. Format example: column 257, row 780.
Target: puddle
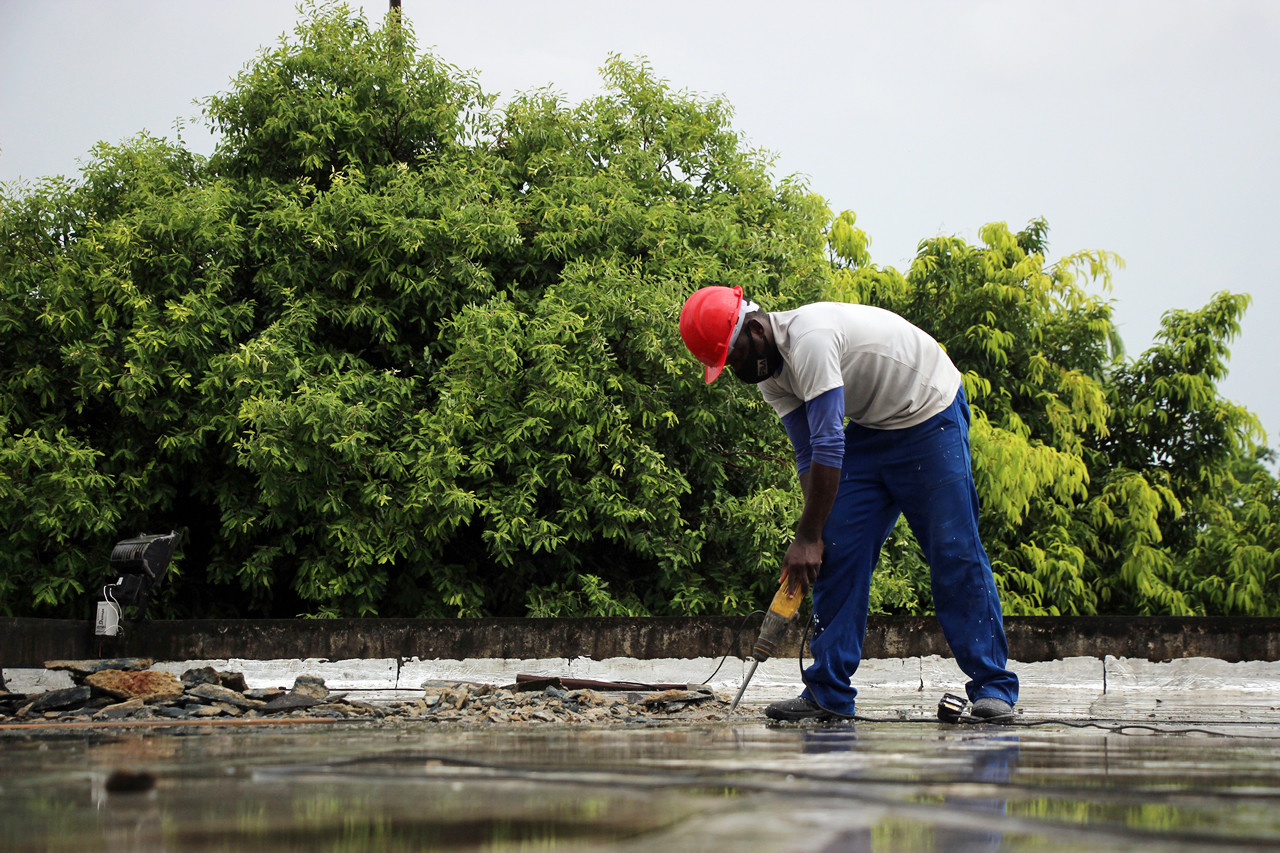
column 707, row 787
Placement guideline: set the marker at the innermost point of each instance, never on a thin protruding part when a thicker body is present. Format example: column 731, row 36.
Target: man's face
column 753, row 358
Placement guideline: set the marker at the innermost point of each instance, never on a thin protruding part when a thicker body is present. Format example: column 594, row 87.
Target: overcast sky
column 1148, row 128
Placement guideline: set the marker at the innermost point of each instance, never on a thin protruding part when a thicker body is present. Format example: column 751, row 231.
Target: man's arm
column 817, row 433
column 801, row 563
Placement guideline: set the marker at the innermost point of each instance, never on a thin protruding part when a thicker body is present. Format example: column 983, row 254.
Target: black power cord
column 707, row 680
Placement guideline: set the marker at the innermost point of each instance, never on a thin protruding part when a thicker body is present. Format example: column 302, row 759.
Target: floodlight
column 140, row 565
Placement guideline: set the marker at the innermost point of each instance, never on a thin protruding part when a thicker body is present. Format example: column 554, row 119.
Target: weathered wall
column 30, row 642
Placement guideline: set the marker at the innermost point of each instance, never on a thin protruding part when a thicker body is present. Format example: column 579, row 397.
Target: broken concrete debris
column 120, row 684
column 58, row 700
column 554, row 704
column 127, row 689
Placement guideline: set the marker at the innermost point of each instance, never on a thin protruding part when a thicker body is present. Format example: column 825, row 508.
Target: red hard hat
column 707, row 322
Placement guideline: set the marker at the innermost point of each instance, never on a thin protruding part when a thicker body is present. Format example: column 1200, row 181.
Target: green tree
column 390, row 350
column 1212, row 548
column 393, row 350
column 1107, row 484
column 1233, row 563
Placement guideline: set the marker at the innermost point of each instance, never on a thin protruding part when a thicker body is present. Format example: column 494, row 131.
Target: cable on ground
column 1005, row 720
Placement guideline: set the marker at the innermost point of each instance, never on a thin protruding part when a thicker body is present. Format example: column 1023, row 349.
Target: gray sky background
column 1144, row 127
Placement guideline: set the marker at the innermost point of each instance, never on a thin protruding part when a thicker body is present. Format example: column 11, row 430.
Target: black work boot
column 800, row 708
column 991, row 709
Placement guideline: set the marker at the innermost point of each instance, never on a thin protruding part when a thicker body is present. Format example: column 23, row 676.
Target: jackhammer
column 777, row 621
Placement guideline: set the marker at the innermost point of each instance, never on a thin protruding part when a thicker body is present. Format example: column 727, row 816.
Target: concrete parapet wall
column 30, row 642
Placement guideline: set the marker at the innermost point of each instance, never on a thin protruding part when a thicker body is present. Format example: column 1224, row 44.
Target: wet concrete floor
column 730, row 786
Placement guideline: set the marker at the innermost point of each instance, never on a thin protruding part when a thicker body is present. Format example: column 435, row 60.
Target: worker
column 905, row 451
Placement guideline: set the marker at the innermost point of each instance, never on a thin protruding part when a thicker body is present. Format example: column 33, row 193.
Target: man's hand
column 801, row 564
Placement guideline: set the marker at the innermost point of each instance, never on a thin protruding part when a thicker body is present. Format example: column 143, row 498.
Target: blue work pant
column 923, row 472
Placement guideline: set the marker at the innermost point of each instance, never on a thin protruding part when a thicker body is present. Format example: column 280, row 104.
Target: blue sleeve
column 816, row 430
column 826, row 427
column 797, row 426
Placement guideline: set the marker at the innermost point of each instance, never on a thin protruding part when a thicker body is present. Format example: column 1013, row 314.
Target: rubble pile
column 554, row 704
column 126, row 689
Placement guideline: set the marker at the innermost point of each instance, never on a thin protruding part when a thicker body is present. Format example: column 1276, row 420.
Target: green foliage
column 1107, row 485
column 1233, row 562
column 393, row 351
column 52, row 482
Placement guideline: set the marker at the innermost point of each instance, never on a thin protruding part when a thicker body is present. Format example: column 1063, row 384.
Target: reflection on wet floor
column 719, row 787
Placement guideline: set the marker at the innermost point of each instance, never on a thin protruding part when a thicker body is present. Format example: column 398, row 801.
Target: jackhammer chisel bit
column 781, row 615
